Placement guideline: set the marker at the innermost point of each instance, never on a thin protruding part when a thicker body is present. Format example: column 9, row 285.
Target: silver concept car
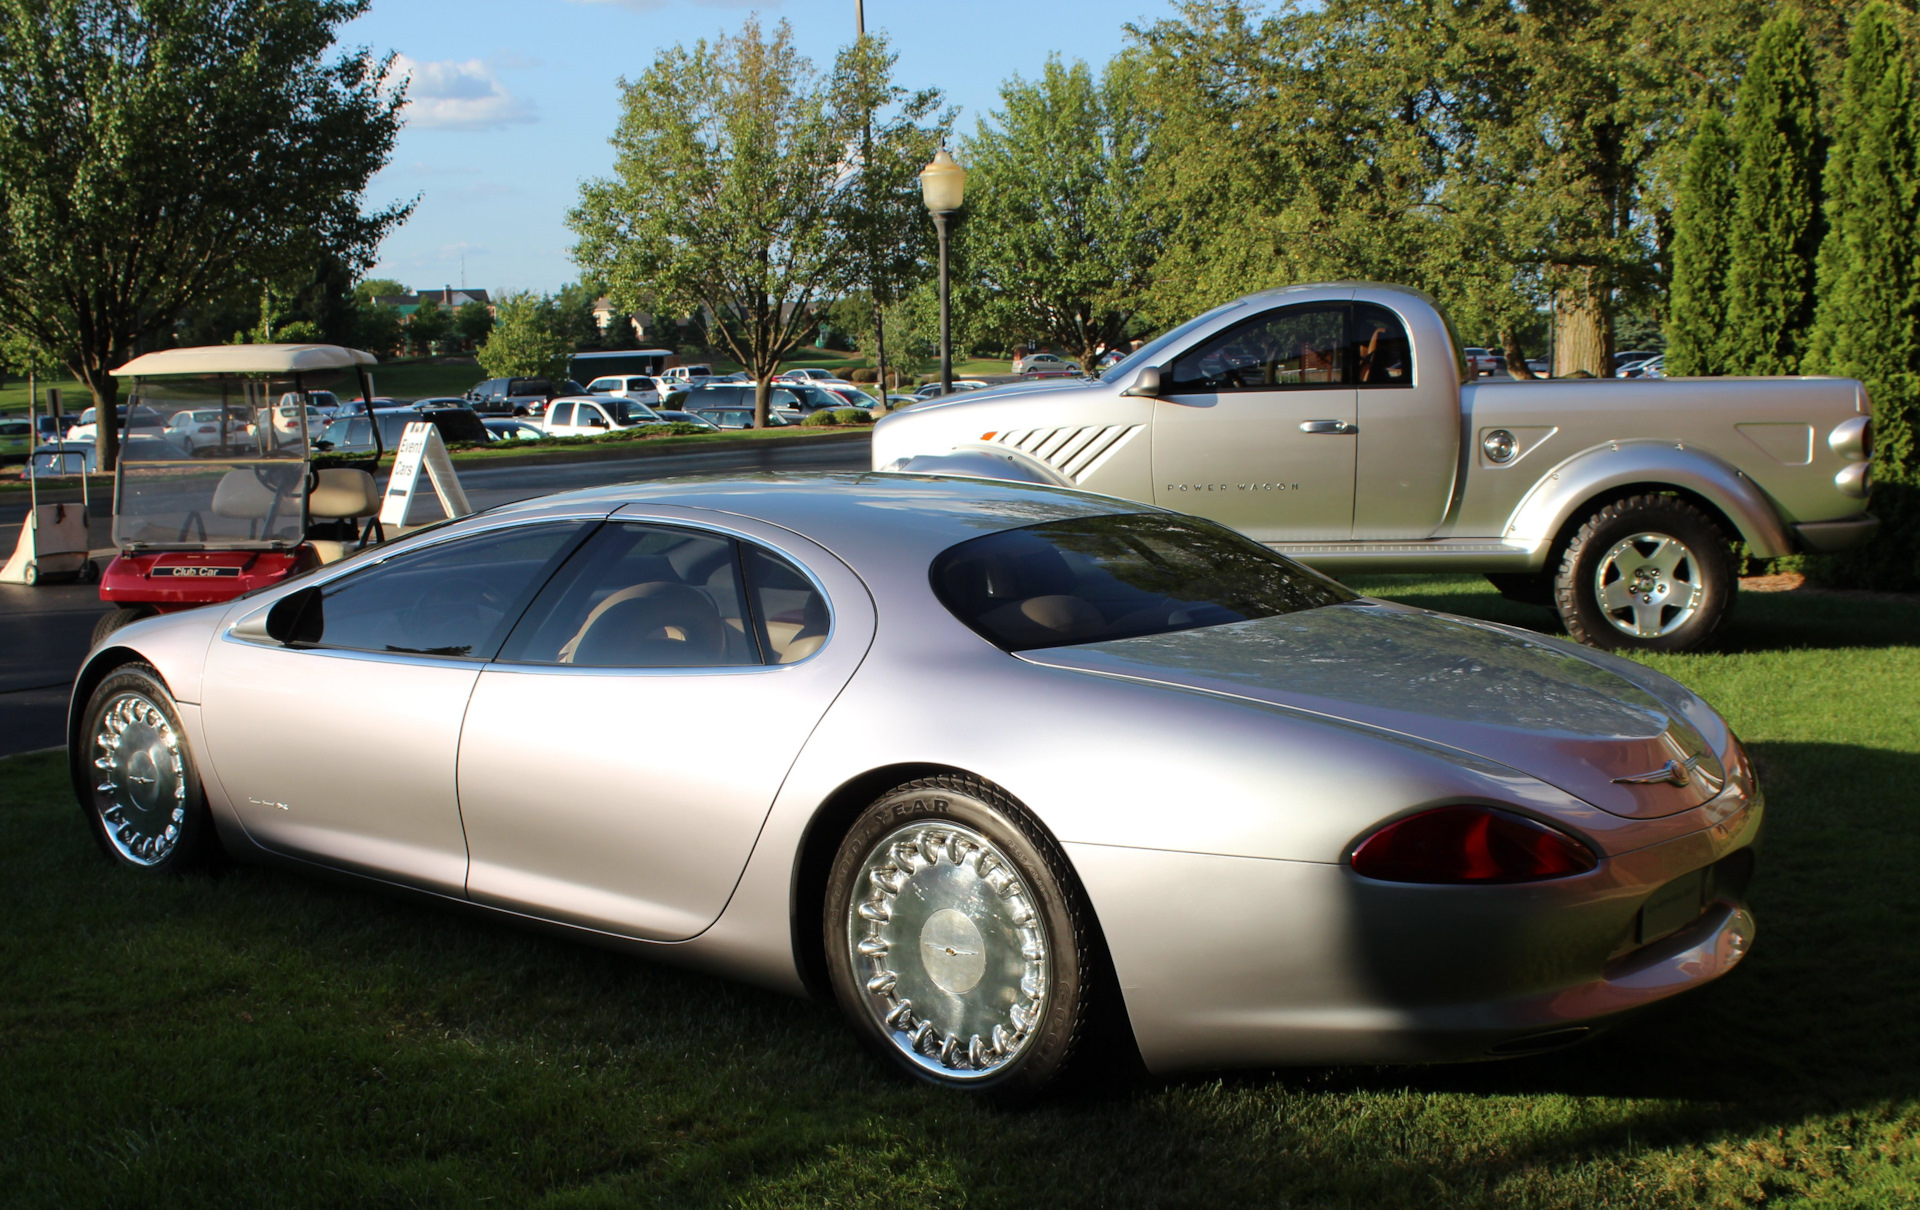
column 977, row 759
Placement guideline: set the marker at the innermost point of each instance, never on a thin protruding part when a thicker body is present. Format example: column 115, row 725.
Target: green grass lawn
column 263, row 1038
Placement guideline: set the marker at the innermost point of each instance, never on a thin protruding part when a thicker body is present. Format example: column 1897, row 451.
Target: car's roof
column 858, row 512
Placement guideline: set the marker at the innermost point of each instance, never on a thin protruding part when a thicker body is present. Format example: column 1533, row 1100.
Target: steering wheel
column 465, row 607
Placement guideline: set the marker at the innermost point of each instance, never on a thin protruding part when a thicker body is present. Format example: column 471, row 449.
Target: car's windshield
column 628, row 411
column 1097, row 579
column 1150, row 353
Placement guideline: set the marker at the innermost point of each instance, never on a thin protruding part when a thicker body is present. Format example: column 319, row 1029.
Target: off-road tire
column 1575, row 590
column 1066, row 1007
column 136, row 690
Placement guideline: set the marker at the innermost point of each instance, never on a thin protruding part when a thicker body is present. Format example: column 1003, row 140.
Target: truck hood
column 1534, row 704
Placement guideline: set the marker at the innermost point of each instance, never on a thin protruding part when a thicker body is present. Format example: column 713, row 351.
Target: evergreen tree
column 1776, row 228
column 1868, row 322
column 1702, row 212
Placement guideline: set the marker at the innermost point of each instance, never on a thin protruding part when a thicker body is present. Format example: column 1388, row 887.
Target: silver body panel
column 1207, row 805
column 1410, row 487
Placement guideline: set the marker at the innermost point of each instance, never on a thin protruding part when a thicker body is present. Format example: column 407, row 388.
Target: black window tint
column 641, row 596
column 560, row 413
column 454, row 599
column 1292, row 348
column 1118, row 577
column 789, row 611
column 1382, row 355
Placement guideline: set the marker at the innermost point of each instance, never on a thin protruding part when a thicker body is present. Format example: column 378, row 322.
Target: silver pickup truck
column 1338, row 424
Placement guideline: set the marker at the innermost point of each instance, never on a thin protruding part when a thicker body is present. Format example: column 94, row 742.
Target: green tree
column 474, row 322
column 526, row 341
column 1867, row 322
column 1696, row 328
column 725, row 188
column 156, row 156
column 1776, row 228
column 368, row 289
column 429, row 322
column 881, row 212
column 1059, row 241
column 574, row 316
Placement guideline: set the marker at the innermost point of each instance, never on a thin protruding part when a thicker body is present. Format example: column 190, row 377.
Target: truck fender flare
column 981, row 462
column 1626, row 467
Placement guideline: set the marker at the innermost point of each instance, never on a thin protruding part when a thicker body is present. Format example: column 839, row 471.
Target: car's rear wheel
column 955, row 939
column 1648, row 573
column 142, row 796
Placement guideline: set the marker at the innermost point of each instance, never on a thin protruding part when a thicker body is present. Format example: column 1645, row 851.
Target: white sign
column 421, row 447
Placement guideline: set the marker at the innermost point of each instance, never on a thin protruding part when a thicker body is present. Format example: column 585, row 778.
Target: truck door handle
column 1338, row 428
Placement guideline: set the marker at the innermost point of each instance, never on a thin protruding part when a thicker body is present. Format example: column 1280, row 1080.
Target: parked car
column 519, row 396
column 898, row 400
column 1044, row 365
column 689, row 375
column 81, row 457
column 932, row 389
column 16, row 439
column 1631, row 357
column 504, row 429
column 144, row 420
column 591, row 415
column 734, row 395
column 1615, row 503
column 202, row 428
column 1652, row 367
column 1483, row 361
column 809, row 398
column 736, row 417
column 326, row 401
column 814, row 375
column 628, row 386
column 352, row 434
column 1136, row 769
column 675, row 416
column 434, row 403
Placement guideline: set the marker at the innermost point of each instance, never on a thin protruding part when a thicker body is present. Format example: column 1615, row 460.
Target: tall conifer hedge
column 1777, row 224
column 1696, row 327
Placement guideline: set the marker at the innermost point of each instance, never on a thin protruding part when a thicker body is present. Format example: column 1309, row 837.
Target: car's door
column 619, row 758
column 343, row 747
column 1255, row 426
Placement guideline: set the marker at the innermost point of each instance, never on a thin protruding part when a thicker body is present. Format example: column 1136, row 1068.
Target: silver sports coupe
column 979, row 760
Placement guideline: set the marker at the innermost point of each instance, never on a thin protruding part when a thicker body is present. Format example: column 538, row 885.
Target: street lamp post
column 943, row 186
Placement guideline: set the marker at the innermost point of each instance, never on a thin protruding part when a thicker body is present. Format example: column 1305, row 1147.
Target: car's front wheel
column 955, row 940
column 1648, row 573
column 142, row 795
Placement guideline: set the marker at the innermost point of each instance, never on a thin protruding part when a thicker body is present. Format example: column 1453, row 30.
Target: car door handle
column 1338, row 428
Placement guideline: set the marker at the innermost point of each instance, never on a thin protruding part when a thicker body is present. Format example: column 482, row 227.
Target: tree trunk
column 880, row 352
column 1582, row 331
column 1515, row 355
column 105, row 389
column 762, row 397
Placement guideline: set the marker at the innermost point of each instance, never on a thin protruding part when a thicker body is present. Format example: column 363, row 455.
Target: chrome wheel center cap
column 952, row 951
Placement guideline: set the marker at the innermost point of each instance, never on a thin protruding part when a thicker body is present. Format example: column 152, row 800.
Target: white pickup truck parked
column 1338, row 424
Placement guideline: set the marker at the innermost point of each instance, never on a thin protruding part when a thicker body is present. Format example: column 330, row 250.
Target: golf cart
column 248, row 502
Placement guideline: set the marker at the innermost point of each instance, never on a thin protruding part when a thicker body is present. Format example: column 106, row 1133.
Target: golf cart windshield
column 227, row 467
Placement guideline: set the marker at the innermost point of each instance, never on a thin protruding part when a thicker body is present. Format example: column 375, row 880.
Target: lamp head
column 943, row 183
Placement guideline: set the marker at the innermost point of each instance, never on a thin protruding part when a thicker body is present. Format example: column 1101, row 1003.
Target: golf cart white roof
column 244, row 359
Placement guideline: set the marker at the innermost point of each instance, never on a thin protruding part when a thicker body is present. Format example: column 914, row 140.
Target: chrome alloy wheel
column 143, row 779
column 1649, row 585
column 949, row 949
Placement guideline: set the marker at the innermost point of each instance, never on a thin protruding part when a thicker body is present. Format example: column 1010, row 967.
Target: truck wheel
column 115, row 619
column 1648, row 573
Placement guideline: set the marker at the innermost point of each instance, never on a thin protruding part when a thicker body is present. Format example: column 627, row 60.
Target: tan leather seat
column 653, row 625
column 341, row 492
column 241, row 495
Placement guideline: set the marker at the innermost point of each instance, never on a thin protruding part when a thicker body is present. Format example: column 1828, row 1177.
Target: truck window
column 1293, row 348
column 1382, row 355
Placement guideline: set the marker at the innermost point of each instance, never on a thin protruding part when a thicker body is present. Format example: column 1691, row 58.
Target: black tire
column 1048, row 1028
column 136, row 779
column 1524, row 587
column 1681, row 609
column 114, row 619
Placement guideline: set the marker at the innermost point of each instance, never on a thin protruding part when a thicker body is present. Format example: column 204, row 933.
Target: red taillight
column 1469, row 844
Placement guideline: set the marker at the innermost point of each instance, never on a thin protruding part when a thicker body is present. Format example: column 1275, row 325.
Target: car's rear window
column 1096, row 579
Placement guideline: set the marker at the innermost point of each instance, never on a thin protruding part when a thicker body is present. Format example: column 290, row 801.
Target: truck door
column 1255, row 426
column 1409, row 422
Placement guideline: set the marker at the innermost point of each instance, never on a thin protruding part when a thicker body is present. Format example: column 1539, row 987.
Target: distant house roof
column 446, row 296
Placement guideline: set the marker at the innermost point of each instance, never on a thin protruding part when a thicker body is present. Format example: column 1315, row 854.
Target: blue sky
column 513, row 101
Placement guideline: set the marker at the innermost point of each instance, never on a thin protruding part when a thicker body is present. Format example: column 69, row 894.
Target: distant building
column 446, row 296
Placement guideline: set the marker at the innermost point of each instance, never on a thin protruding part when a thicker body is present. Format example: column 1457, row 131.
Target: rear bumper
column 1827, row 537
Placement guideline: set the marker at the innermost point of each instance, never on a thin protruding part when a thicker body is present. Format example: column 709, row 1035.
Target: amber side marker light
column 1469, row 844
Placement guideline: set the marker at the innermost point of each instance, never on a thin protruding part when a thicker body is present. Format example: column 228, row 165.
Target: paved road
column 44, row 631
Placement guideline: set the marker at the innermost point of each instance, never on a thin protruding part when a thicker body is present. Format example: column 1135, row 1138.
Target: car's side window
column 1293, row 348
column 455, row 599
column 562, row 413
column 642, row 596
column 1382, row 355
column 789, row 611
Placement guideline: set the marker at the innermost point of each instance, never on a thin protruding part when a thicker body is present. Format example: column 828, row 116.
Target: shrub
column 824, row 416
column 852, row 416
column 864, row 374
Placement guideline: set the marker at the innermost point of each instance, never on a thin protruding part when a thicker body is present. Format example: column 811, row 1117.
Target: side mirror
column 1146, row 384
column 296, row 620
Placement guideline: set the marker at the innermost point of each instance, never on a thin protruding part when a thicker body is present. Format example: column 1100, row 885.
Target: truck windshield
column 1097, row 579
column 1150, row 354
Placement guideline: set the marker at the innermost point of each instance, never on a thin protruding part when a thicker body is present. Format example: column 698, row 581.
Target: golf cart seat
column 242, row 496
column 340, row 493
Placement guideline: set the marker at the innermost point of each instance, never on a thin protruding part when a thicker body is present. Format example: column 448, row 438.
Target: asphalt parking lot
column 45, row 630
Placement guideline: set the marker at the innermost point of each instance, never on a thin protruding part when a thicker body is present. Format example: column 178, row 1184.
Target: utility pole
column 866, row 186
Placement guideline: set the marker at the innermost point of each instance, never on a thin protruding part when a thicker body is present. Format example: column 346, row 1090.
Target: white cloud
column 450, row 95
